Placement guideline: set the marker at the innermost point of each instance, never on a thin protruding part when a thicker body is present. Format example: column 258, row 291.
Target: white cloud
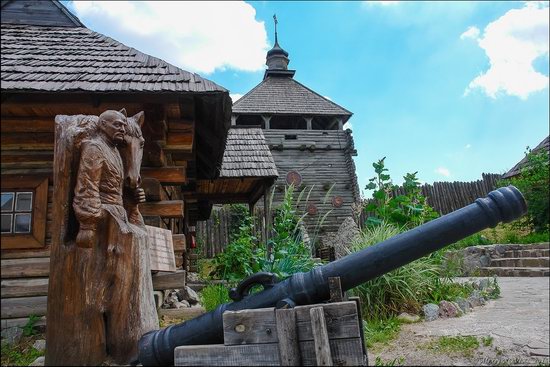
column 443, row 171
column 235, row 96
column 197, row 36
column 468, row 146
column 380, row 3
column 327, row 97
column 348, row 125
column 471, row 32
column 512, row 43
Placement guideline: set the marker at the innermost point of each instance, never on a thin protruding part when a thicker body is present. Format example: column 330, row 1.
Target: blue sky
column 450, row 90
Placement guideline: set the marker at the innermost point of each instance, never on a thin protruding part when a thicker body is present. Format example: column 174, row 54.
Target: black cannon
column 502, row 205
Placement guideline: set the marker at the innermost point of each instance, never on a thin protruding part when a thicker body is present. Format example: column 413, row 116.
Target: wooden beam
column 22, row 268
column 34, row 141
column 177, row 141
column 23, row 307
column 166, row 280
column 27, row 125
column 179, row 242
column 164, row 209
column 181, row 126
column 323, row 355
column 166, row 175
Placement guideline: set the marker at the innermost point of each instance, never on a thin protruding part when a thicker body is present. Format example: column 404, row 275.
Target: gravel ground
column 518, row 323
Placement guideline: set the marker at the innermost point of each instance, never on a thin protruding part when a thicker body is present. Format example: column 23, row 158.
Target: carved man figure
column 108, row 295
column 100, row 178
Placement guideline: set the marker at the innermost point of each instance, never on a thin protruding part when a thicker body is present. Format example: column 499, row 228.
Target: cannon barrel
column 503, row 205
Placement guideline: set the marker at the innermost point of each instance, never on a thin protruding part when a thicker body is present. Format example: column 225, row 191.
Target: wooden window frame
column 37, row 238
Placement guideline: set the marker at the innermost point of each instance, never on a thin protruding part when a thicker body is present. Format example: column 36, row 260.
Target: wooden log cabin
column 52, row 65
column 305, row 132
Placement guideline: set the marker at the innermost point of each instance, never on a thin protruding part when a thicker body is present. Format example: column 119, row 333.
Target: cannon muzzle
column 503, row 205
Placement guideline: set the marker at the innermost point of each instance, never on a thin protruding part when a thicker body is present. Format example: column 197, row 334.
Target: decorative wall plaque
column 161, row 249
column 293, row 178
column 337, row 201
column 312, row 209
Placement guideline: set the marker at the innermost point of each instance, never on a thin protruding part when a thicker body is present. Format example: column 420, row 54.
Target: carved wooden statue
column 100, row 296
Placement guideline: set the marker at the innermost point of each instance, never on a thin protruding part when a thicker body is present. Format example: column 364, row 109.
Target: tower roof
column 284, row 95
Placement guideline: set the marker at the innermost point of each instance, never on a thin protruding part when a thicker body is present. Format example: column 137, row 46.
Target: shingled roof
column 247, row 154
column 284, row 95
column 42, row 58
column 516, row 170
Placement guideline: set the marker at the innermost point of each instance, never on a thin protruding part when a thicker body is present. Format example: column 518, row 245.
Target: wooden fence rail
column 446, row 197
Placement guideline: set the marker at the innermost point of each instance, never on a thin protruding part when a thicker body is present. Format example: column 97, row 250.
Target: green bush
column 533, row 181
column 408, row 210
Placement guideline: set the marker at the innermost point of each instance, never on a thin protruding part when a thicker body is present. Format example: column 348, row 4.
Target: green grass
column 393, row 362
column 381, row 331
column 464, row 345
column 20, row 354
column 214, row 295
column 487, row 341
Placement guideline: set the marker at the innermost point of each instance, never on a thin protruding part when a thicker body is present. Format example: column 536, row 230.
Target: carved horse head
column 131, row 151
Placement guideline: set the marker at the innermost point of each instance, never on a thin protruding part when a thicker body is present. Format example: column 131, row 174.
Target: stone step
column 527, row 253
column 533, row 246
column 514, row 272
column 521, row 262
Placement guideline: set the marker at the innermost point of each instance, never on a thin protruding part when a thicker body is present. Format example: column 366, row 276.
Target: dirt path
column 517, row 326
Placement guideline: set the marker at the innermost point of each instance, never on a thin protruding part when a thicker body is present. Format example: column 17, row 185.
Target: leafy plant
column 408, row 210
column 533, row 181
column 393, row 362
column 29, row 328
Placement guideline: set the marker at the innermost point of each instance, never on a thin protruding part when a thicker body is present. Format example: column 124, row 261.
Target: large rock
column 39, row 345
column 408, row 318
column 342, row 240
column 476, row 298
column 189, row 295
column 38, row 361
column 12, row 335
column 463, row 304
column 447, row 309
column 431, row 311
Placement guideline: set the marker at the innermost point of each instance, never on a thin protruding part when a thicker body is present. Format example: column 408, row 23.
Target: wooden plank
column 23, row 307
column 220, row 355
column 345, row 352
column 341, row 320
column 323, row 355
column 35, row 141
column 341, row 323
column 179, row 242
column 22, row 268
column 166, row 280
column 179, row 141
column 289, row 349
column 166, row 175
column 165, row 209
column 20, row 322
column 186, row 313
column 22, row 254
column 12, row 288
column 153, row 190
column 27, row 125
column 250, row 326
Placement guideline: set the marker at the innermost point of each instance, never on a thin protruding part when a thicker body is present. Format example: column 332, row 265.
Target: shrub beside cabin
column 53, row 65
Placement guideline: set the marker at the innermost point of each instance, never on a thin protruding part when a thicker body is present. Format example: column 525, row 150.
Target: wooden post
column 308, row 122
column 289, row 350
column 320, row 337
column 340, row 124
column 234, row 120
column 266, row 121
column 335, row 289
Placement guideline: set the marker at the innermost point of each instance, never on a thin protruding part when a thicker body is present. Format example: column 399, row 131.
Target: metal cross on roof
column 275, row 21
